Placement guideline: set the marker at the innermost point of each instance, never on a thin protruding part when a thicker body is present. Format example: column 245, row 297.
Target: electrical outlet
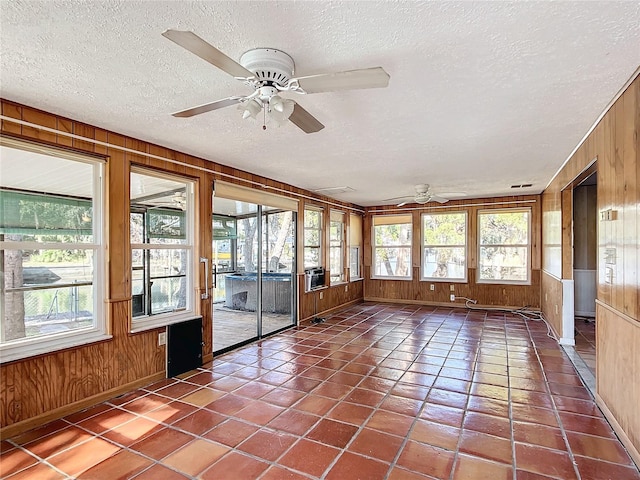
column 545, row 296
column 556, row 309
column 432, row 287
column 321, row 295
column 452, row 297
column 452, row 288
column 346, row 288
column 162, row 338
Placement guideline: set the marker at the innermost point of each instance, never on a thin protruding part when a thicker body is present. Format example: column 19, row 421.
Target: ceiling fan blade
column 304, row 120
column 402, row 204
column 436, row 198
column 207, row 107
column 196, row 45
column 350, row 80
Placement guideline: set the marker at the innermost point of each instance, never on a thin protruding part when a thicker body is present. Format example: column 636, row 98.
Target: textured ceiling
column 482, row 95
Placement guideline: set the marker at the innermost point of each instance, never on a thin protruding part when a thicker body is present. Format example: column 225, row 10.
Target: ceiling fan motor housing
column 270, row 66
column 422, row 193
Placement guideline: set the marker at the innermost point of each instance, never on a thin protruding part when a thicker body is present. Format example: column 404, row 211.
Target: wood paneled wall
column 618, row 351
column 333, row 297
column 551, row 301
column 418, row 291
column 614, row 143
column 38, row 389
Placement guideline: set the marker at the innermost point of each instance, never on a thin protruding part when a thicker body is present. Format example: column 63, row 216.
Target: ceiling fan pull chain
column 264, row 117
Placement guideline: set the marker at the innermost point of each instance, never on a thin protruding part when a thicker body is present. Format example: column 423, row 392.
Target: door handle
column 214, row 266
column 205, row 295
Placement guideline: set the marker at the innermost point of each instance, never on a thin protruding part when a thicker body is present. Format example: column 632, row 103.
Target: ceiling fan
column 422, row 195
column 269, row 72
column 174, row 200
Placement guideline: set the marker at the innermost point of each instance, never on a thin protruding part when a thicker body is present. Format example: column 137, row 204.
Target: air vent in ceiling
column 523, row 185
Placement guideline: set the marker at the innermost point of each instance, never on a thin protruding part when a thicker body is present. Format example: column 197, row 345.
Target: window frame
column 375, row 247
column 358, row 276
column 337, row 244
column 151, row 321
column 424, row 246
column 31, row 346
column 320, row 231
column 528, row 246
column 355, row 219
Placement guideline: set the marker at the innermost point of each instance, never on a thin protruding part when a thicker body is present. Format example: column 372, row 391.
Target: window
column 51, row 250
column 392, row 246
column 355, row 244
column 336, row 247
column 278, row 230
column 504, row 245
column 354, row 263
column 444, row 247
column 162, row 262
column 312, row 237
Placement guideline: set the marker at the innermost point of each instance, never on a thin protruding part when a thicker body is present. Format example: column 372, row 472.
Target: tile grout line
column 555, row 407
column 466, row 409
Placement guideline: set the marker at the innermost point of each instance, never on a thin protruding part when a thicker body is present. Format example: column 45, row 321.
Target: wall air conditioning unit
column 313, row 278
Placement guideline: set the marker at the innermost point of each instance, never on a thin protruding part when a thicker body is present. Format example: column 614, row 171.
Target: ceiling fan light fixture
column 250, row 108
column 276, row 103
column 281, row 116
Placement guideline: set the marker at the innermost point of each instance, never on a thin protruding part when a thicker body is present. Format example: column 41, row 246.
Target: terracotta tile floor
column 586, row 341
column 376, row 392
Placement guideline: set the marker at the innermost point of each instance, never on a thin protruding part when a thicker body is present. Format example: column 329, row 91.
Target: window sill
column 359, row 279
column 142, row 324
column 444, row 280
column 406, row 279
column 317, row 289
column 503, row 282
column 27, row 348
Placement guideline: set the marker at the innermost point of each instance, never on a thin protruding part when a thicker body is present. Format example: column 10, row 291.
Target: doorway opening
column 585, row 265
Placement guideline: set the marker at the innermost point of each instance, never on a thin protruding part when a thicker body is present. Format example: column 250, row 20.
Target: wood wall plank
column 618, row 361
column 567, row 233
column 13, row 111
column 630, row 202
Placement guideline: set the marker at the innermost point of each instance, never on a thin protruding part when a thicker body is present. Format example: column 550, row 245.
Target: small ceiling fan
column 269, row 72
column 422, row 195
column 174, row 200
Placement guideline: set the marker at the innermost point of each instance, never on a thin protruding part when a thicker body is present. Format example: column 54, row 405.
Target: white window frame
column 375, row 247
column 320, row 231
column 148, row 322
column 355, row 245
column 336, row 219
column 354, row 252
column 527, row 246
column 28, row 347
column 424, row 246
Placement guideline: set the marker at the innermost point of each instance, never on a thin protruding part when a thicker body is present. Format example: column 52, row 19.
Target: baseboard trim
column 456, row 304
column 33, row 422
column 626, row 441
column 331, row 310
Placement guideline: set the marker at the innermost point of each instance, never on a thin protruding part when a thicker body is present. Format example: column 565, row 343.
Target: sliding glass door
column 253, row 271
column 278, row 269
